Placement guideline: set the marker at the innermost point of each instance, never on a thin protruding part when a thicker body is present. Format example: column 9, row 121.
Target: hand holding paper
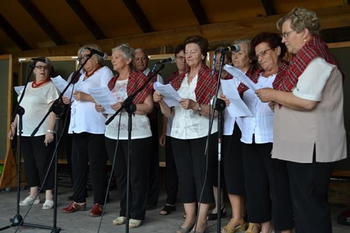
column 61, row 84
column 170, row 96
column 104, row 97
column 237, row 73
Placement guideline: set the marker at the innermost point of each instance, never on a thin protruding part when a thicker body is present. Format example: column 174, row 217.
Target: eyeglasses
column 262, row 53
column 84, row 57
column 286, row 34
column 42, row 67
column 180, row 57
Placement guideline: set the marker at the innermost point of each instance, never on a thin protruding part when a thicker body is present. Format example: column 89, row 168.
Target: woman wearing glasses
column 257, row 138
column 37, row 151
column 87, row 127
column 309, row 133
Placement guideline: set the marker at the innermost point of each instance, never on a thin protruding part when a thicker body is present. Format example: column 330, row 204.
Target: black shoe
column 213, row 216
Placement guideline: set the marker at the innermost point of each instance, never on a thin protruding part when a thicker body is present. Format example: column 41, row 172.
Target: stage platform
column 80, row 222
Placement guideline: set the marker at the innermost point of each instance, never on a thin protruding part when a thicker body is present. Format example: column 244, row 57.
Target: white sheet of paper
column 18, row 89
column 61, row 84
column 103, row 96
column 237, row 107
column 170, row 96
column 237, row 73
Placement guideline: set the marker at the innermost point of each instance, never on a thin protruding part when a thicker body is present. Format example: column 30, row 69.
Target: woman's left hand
column 116, row 106
column 187, row 103
column 265, row 94
column 224, row 98
column 78, row 95
column 48, row 138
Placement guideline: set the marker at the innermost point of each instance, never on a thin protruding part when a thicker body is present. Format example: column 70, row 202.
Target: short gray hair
column 126, row 50
column 89, row 47
column 301, row 18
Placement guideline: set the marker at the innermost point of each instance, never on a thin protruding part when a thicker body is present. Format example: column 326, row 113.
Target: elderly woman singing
column 189, row 132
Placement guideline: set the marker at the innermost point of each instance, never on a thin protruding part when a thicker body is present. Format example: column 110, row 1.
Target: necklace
column 36, row 84
column 88, row 75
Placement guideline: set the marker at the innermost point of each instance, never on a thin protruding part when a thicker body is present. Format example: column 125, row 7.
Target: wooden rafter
column 138, row 15
column 199, row 11
column 86, row 18
column 217, row 34
column 13, row 34
column 41, row 20
column 269, row 7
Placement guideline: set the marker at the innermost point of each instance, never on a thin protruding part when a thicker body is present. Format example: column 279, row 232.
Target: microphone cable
column 206, row 152
column 110, row 177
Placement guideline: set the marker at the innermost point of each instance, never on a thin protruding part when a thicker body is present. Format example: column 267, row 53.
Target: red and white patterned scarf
column 206, row 84
column 136, row 80
column 315, row 47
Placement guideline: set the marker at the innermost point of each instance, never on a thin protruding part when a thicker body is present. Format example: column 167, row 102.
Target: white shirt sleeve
column 312, row 81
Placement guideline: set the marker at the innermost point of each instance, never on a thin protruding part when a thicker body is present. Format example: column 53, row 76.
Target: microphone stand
column 218, row 105
column 19, row 110
column 130, row 107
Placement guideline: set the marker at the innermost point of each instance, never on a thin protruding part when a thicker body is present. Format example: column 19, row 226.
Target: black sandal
column 167, row 209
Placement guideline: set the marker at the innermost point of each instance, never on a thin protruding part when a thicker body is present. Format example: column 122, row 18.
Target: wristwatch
column 199, row 109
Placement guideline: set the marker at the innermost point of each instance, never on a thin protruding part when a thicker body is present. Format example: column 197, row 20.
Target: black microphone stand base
column 17, row 220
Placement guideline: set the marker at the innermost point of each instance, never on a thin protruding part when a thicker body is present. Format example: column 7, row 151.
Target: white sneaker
column 119, row 221
column 48, row 204
column 134, row 223
column 29, row 200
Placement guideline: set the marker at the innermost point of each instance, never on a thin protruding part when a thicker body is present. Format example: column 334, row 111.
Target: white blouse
column 141, row 127
column 84, row 117
column 188, row 124
column 260, row 125
column 36, row 103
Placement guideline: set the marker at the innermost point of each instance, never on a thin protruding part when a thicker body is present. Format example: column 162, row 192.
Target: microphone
column 226, row 49
column 101, row 54
column 165, row 61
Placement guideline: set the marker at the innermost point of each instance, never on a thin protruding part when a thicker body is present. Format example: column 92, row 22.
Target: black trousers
column 37, row 157
column 89, row 149
column 309, row 186
column 261, row 187
column 153, row 172
column 192, row 167
column 139, row 158
column 171, row 178
column 232, row 163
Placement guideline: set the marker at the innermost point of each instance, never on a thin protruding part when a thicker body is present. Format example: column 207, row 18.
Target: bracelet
column 50, row 131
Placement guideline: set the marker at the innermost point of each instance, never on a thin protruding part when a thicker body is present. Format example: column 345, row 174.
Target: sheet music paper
column 170, row 96
column 237, row 73
column 103, row 96
column 61, row 84
column 18, row 89
column 237, row 107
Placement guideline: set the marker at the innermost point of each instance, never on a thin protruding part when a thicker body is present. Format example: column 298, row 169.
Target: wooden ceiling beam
column 13, row 34
column 86, row 18
column 216, row 34
column 199, row 11
column 138, row 15
column 40, row 19
column 269, row 7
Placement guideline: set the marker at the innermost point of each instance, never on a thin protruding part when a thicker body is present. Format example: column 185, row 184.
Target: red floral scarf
column 136, row 80
column 315, row 47
column 206, row 84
